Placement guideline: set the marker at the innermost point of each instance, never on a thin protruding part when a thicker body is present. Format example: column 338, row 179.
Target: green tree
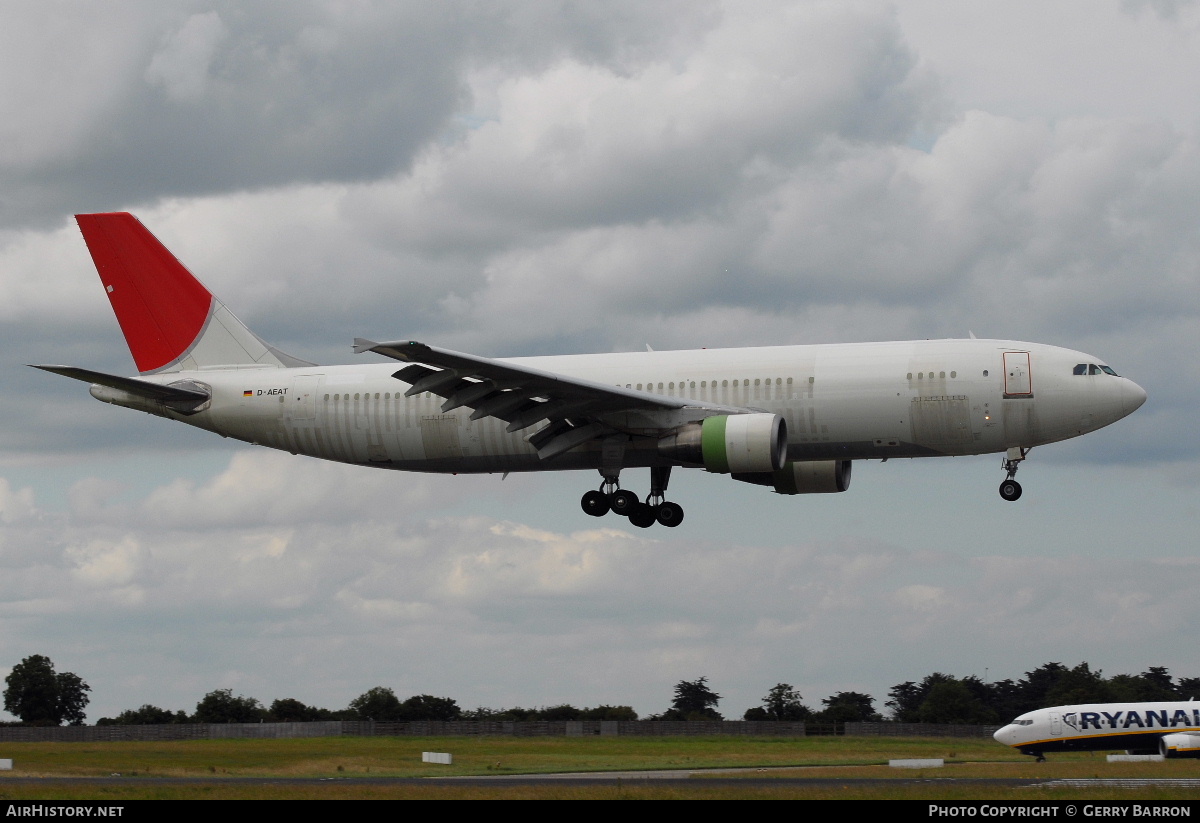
column 1189, row 688
column 783, row 703
column 428, row 707
column 907, row 697
column 221, row 706
column 1005, row 699
column 905, row 702
column 40, row 696
column 563, row 711
column 848, row 707
column 1159, row 685
column 1037, row 683
column 606, row 712
column 145, row 715
column 952, row 701
column 379, row 703
column 694, row 700
column 1079, row 685
column 291, row 710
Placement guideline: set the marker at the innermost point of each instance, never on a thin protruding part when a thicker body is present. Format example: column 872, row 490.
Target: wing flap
column 505, row 373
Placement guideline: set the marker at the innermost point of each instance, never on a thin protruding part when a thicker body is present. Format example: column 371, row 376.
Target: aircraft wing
column 578, row 410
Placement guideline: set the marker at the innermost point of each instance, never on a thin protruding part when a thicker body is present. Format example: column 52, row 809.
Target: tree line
column 39, row 695
column 944, row 698
column 379, row 704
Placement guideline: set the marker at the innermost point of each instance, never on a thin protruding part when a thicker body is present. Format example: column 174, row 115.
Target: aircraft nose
column 1132, row 397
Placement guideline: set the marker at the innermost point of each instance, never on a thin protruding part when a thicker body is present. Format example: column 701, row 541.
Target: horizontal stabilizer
column 139, row 388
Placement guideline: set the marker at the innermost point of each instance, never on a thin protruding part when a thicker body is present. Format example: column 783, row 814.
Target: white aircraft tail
column 170, row 320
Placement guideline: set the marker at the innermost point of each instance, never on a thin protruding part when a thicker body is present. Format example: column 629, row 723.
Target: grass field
column 223, row 761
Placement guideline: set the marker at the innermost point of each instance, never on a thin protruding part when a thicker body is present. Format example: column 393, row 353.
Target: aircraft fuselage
column 840, row 402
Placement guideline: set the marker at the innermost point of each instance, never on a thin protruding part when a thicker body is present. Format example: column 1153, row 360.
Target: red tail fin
column 161, row 307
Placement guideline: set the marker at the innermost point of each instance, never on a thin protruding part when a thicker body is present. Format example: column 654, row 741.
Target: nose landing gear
column 1010, row 489
column 656, row 509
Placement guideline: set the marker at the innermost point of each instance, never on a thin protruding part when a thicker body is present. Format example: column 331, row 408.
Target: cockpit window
column 1092, row 368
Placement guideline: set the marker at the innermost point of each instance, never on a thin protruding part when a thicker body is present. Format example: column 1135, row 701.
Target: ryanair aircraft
column 1171, row 729
column 791, row 418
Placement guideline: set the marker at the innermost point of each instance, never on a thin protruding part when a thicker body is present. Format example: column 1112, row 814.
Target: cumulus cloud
column 444, row 599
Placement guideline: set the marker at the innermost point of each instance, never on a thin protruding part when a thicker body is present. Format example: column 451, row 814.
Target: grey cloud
column 1164, row 9
column 187, row 99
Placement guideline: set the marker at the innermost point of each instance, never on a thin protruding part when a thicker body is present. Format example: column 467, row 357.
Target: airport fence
column 463, row 728
column 918, row 730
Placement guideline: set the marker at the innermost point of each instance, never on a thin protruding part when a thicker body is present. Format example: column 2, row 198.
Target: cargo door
column 1017, row 379
column 303, row 408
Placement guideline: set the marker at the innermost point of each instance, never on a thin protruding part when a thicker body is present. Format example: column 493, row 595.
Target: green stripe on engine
column 712, row 444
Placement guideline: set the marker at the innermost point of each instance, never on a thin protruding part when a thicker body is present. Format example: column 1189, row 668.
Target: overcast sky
column 514, row 178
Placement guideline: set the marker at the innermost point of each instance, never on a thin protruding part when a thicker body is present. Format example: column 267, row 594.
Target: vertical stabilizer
column 170, row 320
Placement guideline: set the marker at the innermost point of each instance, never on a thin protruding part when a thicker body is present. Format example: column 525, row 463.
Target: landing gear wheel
column 595, row 503
column 624, row 502
column 670, row 514
column 1010, row 490
column 642, row 516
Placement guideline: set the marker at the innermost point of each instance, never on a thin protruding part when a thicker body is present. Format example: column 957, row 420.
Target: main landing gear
column 656, row 509
column 1010, row 489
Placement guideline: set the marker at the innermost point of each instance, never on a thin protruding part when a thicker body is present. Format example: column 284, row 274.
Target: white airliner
column 788, row 417
column 1171, row 729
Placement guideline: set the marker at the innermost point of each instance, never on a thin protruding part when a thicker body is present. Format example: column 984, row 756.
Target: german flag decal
column 248, row 393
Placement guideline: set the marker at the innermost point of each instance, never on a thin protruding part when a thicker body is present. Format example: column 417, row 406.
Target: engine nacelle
column 804, row 477
column 1179, row 744
column 730, row 443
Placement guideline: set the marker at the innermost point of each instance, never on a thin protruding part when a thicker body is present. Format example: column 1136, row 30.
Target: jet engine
column 804, row 477
column 1179, row 744
column 735, row 443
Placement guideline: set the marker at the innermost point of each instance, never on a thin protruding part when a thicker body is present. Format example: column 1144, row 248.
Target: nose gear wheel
column 1010, row 489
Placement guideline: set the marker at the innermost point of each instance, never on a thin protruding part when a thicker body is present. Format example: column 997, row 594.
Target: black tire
column 643, row 516
column 1010, row 490
column 595, row 503
column 669, row 515
column 624, row 502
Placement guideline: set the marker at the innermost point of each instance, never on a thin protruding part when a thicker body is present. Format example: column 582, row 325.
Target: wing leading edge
column 578, row 410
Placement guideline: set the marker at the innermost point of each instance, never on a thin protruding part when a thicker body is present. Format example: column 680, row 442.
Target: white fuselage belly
column 840, row 401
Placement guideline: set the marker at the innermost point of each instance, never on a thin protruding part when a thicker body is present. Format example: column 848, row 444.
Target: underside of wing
column 577, row 410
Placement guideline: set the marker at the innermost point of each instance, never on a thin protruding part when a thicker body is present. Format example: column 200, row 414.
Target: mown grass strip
column 369, row 757
column 401, row 756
